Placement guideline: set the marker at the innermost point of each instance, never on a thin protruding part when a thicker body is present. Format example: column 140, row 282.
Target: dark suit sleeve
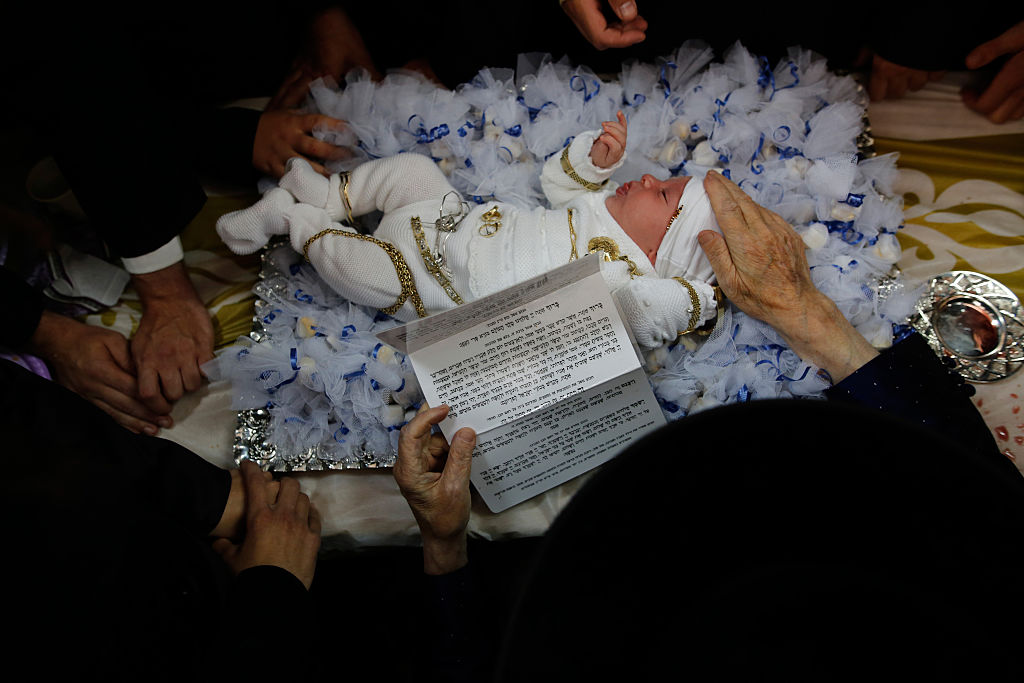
column 22, row 305
column 451, row 628
column 61, row 437
column 910, row 381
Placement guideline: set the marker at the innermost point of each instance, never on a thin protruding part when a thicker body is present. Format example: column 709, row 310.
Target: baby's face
column 643, row 209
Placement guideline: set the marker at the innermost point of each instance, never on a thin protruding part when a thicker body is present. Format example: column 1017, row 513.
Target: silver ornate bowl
column 975, row 321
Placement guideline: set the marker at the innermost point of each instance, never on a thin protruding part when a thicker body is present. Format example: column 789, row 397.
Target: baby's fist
column 610, row 145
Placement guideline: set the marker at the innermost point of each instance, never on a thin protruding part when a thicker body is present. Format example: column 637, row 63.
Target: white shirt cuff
column 167, row 255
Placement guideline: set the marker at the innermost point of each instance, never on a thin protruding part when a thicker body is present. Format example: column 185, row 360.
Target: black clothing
column 109, row 571
column 22, row 305
column 132, row 106
column 789, row 540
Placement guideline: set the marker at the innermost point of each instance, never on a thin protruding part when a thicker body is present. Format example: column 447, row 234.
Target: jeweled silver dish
column 252, row 440
column 974, row 320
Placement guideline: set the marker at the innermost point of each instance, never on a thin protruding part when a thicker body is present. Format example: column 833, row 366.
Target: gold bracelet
column 572, row 237
column 571, row 172
column 432, row 267
column 345, row 178
column 401, row 269
column 694, row 307
column 709, row 327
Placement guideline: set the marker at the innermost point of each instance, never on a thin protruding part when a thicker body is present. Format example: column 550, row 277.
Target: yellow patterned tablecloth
column 964, row 210
column 223, row 280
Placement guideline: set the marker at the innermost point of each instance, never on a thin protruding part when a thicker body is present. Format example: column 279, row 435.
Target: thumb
column 1010, row 41
column 716, row 249
column 626, row 11
column 122, row 355
column 460, row 456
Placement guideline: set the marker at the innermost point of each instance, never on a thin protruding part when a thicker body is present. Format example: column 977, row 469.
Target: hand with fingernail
column 434, row 478
column 630, row 28
column 761, row 266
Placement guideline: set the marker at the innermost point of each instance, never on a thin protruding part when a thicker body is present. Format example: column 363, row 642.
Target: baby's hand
column 609, row 147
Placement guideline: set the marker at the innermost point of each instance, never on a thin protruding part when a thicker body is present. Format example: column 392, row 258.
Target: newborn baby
column 431, row 251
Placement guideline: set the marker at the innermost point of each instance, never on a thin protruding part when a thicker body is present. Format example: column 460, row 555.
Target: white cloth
column 773, row 131
column 158, row 259
column 679, row 251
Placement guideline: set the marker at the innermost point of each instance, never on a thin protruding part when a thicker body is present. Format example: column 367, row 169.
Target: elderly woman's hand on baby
column 761, row 266
column 610, row 145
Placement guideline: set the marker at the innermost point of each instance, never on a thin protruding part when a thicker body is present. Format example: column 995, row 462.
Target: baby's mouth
column 623, row 189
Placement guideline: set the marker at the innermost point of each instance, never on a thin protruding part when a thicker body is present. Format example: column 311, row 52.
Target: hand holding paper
column 544, row 374
column 434, row 479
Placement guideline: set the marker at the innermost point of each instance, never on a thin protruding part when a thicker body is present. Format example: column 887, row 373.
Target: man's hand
column 610, row 145
column 282, row 134
column 435, row 482
column 96, row 364
column 761, row 266
column 281, row 530
column 174, row 337
column 334, row 47
column 591, row 22
column 1003, row 99
column 889, row 80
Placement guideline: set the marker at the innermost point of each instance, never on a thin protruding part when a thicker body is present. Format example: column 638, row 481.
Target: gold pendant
column 606, row 245
column 491, row 222
column 610, row 251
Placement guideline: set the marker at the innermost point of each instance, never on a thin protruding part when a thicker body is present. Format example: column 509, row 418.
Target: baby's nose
column 647, row 179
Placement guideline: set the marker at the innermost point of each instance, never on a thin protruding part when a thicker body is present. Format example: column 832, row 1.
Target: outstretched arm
column 761, row 266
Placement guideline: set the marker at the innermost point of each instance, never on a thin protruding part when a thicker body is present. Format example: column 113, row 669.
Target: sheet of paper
column 545, row 372
column 537, row 353
column 529, row 456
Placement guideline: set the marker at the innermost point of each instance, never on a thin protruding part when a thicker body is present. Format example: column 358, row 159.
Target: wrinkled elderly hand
column 281, row 531
column 761, row 266
column 1003, row 99
column 434, row 478
column 591, row 22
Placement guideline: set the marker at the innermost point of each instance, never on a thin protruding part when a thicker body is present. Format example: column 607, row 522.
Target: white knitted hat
column 679, row 254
